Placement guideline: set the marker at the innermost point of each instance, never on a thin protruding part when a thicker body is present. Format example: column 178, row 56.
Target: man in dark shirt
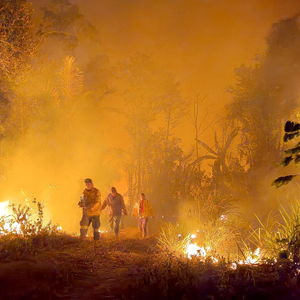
column 116, row 205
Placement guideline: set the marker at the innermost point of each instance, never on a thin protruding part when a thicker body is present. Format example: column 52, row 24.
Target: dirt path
column 113, row 268
column 79, row 270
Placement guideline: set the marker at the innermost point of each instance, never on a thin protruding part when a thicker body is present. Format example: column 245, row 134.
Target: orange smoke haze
column 196, row 44
column 200, row 41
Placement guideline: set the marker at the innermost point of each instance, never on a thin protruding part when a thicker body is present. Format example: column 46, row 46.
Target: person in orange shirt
column 144, row 212
column 91, row 205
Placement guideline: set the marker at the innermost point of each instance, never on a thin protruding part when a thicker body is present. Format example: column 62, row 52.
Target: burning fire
column 8, row 225
column 252, row 258
column 4, row 208
column 194, row 250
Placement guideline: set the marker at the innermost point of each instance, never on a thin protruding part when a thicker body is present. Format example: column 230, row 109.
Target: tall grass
column 216, row 222
column 173, row 239
column 280, row 236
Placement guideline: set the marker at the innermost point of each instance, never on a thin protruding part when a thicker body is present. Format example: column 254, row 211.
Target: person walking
column 116, row 205
column 144, row 212
column 90, row 203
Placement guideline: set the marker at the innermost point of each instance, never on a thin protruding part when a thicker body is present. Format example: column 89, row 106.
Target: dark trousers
column 143, row 225
column 85, row 223
column 115, row 224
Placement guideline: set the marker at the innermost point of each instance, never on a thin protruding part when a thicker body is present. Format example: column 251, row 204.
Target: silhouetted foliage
column 292, row 130
column 291, row 126
column 280, row 181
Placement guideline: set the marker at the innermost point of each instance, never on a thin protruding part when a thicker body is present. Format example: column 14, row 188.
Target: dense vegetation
column 63, row 113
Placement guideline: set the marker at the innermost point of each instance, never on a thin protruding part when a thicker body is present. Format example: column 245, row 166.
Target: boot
column 96, row 235
column 83, row 233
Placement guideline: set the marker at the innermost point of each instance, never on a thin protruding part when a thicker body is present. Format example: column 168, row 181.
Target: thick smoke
column 67, row 112
column 265, row 96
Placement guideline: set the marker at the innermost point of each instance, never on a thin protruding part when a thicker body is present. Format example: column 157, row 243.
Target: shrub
column 23, row 232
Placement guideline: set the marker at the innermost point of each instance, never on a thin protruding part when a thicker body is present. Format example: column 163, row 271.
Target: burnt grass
column 64, row 267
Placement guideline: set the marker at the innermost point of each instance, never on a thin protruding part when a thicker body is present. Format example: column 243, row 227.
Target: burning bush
column 215, row 238
column 174, row 240
column 215, row 223
column 23, row 230
column 24, row 219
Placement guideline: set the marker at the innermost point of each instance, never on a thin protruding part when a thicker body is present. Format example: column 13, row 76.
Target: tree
column 18, row 41
column 220, row 154
column 70, row 83
column 151, row 104
column 62, row 23
column 18, row 45
column 267, row 92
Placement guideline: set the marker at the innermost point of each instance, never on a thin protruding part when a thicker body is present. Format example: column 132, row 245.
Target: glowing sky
column 202, row 41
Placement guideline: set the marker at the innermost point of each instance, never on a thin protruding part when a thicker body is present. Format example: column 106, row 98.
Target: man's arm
column 123, row 206
column 105, row 202
column 98, row 198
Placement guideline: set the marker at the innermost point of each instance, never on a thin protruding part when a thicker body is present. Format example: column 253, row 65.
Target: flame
column 5, row 213
column 223, row 218
column 252, row 258
column 233, row 266
column 4, row 208
column 8, row 223
column 194, row 250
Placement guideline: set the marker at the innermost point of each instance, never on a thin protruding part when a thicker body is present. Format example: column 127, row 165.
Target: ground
column 66, row 267
column 106, row 269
